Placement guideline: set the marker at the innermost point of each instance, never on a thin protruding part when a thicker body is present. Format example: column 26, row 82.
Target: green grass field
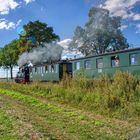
column 71, row 110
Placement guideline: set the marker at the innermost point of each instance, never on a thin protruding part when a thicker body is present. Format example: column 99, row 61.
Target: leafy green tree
column 23, row 45
column 36, row 33
column 102, row 33
column 9, row 56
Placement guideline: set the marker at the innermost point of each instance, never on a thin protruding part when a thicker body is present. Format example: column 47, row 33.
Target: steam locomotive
column 91, row 66
column 23, row 76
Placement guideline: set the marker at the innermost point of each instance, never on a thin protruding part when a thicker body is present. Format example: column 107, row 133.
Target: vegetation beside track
column 74, row 109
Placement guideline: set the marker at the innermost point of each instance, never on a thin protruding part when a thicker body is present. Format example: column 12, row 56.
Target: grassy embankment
column 73, row 109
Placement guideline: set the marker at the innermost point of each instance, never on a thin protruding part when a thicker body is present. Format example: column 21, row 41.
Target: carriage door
column 65, row 69
column 62, row 70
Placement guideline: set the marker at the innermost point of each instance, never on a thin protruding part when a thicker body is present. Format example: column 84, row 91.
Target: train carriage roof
column 107, row 53
column 52, row 63
column 70, row 60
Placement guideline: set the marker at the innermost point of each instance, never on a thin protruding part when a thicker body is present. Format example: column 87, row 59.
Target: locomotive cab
column 23, row 75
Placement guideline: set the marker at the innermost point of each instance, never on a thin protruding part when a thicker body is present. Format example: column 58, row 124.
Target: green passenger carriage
column 50, row 72
column 108, row 63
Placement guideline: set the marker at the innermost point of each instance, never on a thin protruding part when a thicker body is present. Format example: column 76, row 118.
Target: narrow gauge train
column 44, row 72
column 92, row 66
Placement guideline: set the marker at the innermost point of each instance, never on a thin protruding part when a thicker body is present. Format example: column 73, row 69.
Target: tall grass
column 118, row 96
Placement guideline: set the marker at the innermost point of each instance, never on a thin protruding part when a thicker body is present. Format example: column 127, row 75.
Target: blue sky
column 65, row 15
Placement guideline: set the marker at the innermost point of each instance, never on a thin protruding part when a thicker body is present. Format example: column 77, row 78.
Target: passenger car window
column 88, row 64
column 134, row 59
column 99, row 63
column 46, row 68
column 52, row 68
column 42, row 69
column 35, row 69
column 115, row 61
column 77, row 65
column 38, row 69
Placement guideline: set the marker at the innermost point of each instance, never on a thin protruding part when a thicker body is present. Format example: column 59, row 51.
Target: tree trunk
column 11, row 72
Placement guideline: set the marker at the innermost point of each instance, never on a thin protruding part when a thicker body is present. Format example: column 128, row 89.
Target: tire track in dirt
column 92, row 116
column 28, row 124
column 72, row 113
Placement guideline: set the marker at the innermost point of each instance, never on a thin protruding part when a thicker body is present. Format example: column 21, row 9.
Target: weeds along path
column 7, row 127
column 26, row 124
column 93, row 116
column 42, row 119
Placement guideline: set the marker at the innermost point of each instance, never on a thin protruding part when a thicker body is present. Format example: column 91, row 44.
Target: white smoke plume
column 47, row 54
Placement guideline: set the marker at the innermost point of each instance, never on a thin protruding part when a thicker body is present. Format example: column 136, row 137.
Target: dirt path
column 39, row 119
column 27, row 124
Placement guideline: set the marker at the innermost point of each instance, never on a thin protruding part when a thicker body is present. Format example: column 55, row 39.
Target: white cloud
column 7, row 5
column 18, row 23
column 136, row 17
column 122, row 8
column 4, row 24
column 65, row 43
column 138, row 28
column 123, row 27
column 66, row 52
column 28, row 1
